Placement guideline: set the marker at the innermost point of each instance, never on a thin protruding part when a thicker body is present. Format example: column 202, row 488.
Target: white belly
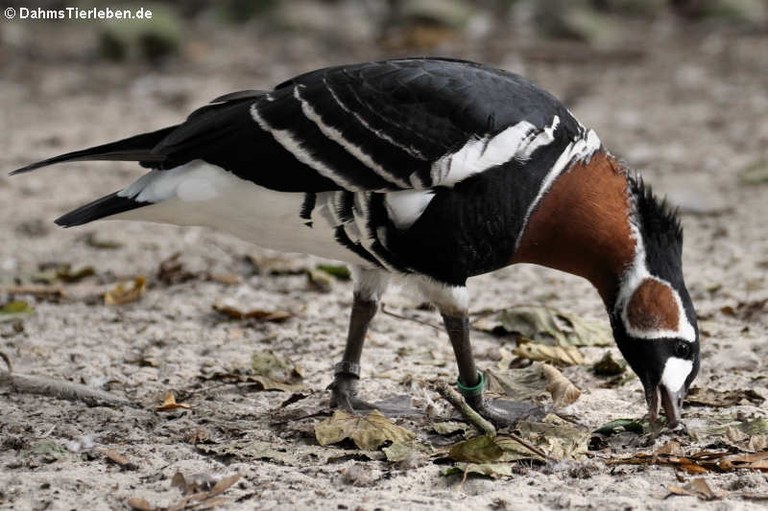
column 201, row 194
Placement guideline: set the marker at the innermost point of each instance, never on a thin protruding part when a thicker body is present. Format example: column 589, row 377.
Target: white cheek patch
column 676, row 371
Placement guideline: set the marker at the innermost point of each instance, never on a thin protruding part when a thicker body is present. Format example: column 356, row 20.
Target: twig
column 458, row 402
column 407, row 318
column 42, row 292
column 28, row 384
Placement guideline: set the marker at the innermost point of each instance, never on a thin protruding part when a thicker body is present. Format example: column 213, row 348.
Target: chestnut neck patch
column 653, row 306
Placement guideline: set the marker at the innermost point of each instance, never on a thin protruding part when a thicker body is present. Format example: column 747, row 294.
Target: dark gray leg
column 471, row 381
column 347, row 372
column 369, row 286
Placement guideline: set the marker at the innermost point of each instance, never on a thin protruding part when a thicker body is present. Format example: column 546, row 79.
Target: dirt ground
column 686, row 106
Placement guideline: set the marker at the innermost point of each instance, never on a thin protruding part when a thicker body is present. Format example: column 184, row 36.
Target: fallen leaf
column 480, row 449
column 607, row 366
column 294, row 455
column 521, row 385
column 401, row 451
column 171, row 271
column 275, row 316
column 548, row 326
column 169, row 403
column 119, row 459
column 139, row 504
column 319, row 281
column 224, row 484
column 700, row 462
column 125, row 292
column 671, row 448
column 558, row 439
column 697, row 488
column 564, row 355
column 448, row 428
column 563, row 392
column 66, row 273
column 339, row 271
column 268, row 371
column 369, row 431
column 276, row 266
column 698, row 396
column 14, row 310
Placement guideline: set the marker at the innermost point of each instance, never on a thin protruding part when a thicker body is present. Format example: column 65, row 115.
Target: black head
column 653, row 318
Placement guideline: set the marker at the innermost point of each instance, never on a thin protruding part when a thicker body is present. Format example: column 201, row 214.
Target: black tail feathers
column 136, row 148
column 106, row 206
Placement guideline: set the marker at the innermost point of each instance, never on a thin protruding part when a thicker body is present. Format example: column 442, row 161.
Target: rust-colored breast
column 581, row 226
column 653, row 307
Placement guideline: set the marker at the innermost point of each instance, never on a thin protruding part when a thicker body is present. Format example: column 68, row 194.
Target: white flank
column 480, row 154
column 198, row 193
column 676, row 371
column 338, row 137
column 286, row 139
column 369, row 284
column 451, row 300
column 405, row 207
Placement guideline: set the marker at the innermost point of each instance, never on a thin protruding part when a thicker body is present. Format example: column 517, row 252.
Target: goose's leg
column 452, row 302
column 369, row 286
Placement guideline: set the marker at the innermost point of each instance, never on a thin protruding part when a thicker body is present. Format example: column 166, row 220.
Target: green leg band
column 475, row 391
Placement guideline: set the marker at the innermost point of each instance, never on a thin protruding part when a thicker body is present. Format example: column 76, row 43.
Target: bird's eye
column 682, row 350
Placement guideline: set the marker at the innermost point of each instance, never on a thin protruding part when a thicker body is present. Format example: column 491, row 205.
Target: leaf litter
column 368, row 432
column 546, row 325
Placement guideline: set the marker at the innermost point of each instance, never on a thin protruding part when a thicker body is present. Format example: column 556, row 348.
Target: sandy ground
column 690, row 113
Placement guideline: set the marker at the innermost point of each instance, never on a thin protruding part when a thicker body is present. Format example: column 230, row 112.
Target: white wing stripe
column 410, row 150
column 286, row 139
column 336, row 135
column 480, row 154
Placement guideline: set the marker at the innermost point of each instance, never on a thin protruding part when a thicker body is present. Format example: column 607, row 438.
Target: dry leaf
column 722, row 398
column 671, row 448
column 700, row 462
column 554, row 437
column 522, row 384
column 14, row 310
column 139, row 504
column 125, row 292
column 275, row 316
column 548, row 326
column 224, row 484
column 339, row 271
column 480, row 449
column 368, row 432
column 119, row 459
column 563, row 392
column 169, row 403
column 171, row 271
column 319, row 281
column 697, row 488
column 564, row 355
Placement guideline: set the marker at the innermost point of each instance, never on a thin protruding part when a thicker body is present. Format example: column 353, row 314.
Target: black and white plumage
column 428, row 168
